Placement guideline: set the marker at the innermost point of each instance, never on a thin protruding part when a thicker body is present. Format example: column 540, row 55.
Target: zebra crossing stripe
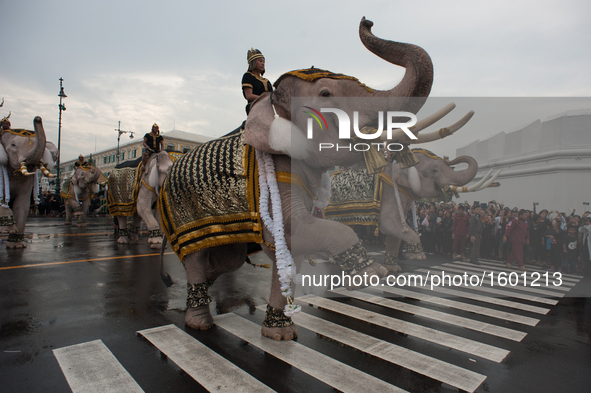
column 328, row 370
column 488, row 299
column 520, row 287
column 91, row 367
column 436, row 369
column 566, row 282
column 565, row 276
column 505, row 292
column 449, row 340
column 489, row 312
column 201, row 363
column 455, row 320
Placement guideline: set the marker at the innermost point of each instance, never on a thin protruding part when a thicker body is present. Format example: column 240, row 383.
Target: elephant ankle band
column 276, row 318
column 133, row 229
column 390, row 260
column 416, row 248
column 123, row 232
column 154, row 233
column 354, row 259
column 197, row 295
column 7, row 221
column 16, row 237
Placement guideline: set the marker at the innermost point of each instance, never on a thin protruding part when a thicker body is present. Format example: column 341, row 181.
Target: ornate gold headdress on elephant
column 312, row 74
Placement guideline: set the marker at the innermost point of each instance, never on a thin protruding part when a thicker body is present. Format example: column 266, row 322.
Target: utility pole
column 119, row 132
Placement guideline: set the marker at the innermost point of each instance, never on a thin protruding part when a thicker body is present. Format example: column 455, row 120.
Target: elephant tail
column 166, row 279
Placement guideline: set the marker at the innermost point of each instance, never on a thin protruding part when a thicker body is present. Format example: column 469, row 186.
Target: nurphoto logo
column 345, row 128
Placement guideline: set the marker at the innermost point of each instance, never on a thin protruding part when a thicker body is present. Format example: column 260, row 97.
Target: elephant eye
column 325, row 93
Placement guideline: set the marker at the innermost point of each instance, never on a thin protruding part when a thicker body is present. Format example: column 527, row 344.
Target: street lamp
column 62, row 107
column 119, row 132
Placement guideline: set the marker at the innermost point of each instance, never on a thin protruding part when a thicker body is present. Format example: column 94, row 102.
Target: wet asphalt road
column 74, row 285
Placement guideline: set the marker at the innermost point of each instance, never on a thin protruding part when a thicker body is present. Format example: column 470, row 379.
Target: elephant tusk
column 476, row 187
column 399, row 134
column 442, row 133
column 46, row 171
column 490, row 181
column 24, row 171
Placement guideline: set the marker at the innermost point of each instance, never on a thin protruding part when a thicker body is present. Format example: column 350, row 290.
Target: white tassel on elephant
column 4, row 187
column 3, row 156
column 77, row 191
column 286, row 269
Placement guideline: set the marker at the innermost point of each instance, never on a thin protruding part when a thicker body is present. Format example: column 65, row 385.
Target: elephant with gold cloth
column 256, row 187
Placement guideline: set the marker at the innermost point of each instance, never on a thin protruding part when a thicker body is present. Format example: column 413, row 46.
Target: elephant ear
column 266, row 131
column 257, row 130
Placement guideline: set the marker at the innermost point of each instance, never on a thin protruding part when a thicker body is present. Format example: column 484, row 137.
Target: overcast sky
column 180, row 63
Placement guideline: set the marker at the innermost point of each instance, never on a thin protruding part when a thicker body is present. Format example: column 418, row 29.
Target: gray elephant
column 134, row 193
column 77, row 192
column 24, row 151
column 216, row 200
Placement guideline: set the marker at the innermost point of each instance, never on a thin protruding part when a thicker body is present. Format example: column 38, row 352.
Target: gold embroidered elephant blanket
column 210, row 197
column 123, row 189
column 356, row 197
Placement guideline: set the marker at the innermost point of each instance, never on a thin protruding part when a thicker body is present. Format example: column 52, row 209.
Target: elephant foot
column 16, row 245
column 280, row 333
column 8, row 229
column 123, row 240
column 277, row 326
column 157, row 246
column 199, row 318
column 417, row 256
column 367, row 276
column 155, row 240
column 81, row 225
column 391, row 263
column 16, row 241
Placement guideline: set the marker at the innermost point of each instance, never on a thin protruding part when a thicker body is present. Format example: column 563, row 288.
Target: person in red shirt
column 517, row 232
column 460, row 233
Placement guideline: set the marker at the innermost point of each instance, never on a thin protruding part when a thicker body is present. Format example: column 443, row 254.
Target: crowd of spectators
column 548, row 239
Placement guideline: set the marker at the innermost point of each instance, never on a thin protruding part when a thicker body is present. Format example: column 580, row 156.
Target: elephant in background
column 141, row 204
column 77, row 192
column 192, row 227
column 24, row 151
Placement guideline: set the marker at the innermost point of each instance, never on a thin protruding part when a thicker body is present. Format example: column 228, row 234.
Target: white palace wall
column 547, row 162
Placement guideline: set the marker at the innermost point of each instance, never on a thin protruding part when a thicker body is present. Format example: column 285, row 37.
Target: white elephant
column 134, row 193
column 210, row 205
column 77, row 192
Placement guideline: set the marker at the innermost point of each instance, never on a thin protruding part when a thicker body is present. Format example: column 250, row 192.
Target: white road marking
column 91, row 367
column 458, row 305
column 332, row 372
column 425, row 365
column 201, row 363
column 455, row 320
column 489, row 266
column 449, row 340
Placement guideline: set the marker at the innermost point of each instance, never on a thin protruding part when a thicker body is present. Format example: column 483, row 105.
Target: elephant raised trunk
column 459, row 178
column 36, row 153
column 418, row 78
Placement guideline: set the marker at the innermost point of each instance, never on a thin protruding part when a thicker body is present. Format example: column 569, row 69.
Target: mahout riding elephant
column 24, row 151
column 216, row 199
column 77, row 192
column 134, row 193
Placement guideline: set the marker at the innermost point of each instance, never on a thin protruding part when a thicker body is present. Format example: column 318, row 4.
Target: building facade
column 545, row 162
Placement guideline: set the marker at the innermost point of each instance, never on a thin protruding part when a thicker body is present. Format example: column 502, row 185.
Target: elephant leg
column 145, row 211
column 84, row 211
column 134, row 228
column 123, row 232
column 391, row 258
column 202, row 268
column 68, row 212
column 7, row 223
column 20, row 209
column 276, row 325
